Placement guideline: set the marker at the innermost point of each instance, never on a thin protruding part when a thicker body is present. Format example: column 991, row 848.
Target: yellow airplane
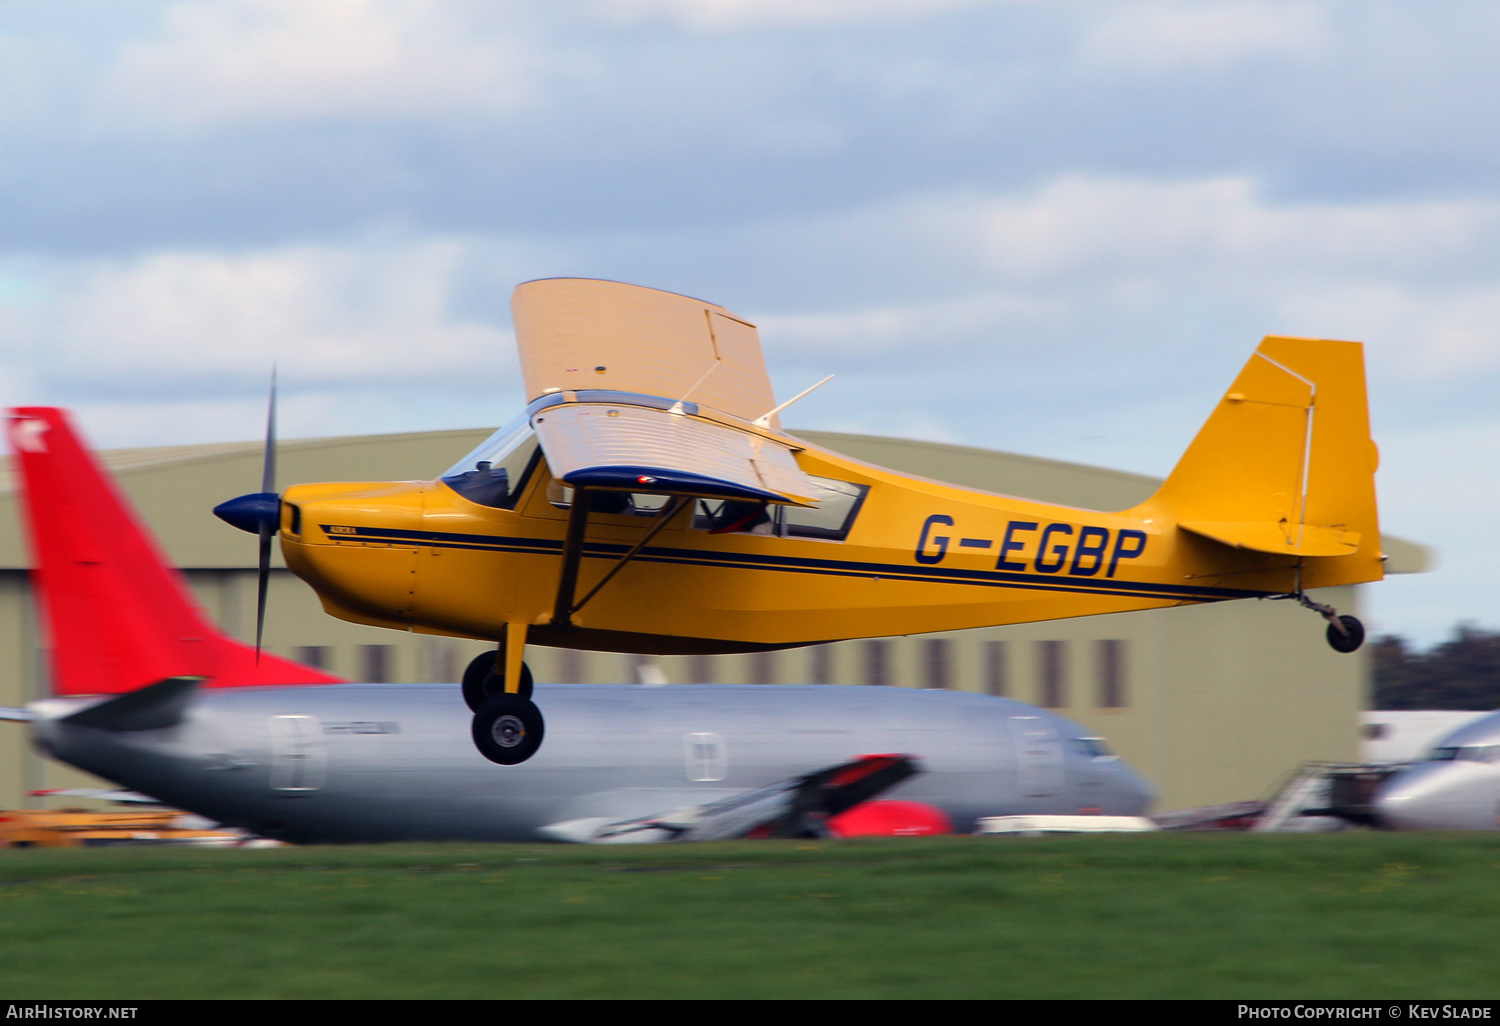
column 647, row 500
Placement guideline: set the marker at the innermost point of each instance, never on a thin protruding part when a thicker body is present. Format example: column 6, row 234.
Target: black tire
column 508, row 729
column 1340, row 641
column 481, row 681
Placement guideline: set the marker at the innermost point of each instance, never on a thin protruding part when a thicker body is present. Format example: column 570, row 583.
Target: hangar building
column 1212, row 703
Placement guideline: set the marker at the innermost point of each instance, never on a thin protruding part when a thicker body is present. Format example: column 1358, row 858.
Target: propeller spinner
column 260, row 514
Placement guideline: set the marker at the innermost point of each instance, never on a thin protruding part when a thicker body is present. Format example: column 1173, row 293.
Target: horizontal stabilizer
column 1282, row 538
column 598, row 445
column 151, row 708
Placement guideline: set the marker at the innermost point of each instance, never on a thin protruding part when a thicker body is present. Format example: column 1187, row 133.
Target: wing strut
column 662, row 519
column 572, row 555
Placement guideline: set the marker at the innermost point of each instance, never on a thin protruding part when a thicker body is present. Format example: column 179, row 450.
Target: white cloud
column 1197, row 35
column 1076, row 224
column 721, row 15
column 190, row 321
column 1442, row 332
column 289, row 60
column 887, row 328
column 1072, row 271
column 1434, row 489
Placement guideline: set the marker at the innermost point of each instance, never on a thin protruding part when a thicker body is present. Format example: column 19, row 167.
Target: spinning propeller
column 259, row 513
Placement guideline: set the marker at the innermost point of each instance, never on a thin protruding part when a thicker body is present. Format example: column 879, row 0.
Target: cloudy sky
column 1050, row 227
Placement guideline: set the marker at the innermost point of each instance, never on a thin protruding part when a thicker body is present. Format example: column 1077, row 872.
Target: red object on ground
column 118, row 616
column 890, row 819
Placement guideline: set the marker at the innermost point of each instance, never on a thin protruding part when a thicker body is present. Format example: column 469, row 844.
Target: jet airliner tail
column 117, row 616
column 1285, row 463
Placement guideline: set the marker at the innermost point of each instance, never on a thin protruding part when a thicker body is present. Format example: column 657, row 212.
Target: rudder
column 1285, row 463
column 118, row 617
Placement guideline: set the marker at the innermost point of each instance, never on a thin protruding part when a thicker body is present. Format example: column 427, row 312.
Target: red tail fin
column 118, row 616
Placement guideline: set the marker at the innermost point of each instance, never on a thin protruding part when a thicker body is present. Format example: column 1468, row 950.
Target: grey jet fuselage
column 387, row 762
column 1457, row 787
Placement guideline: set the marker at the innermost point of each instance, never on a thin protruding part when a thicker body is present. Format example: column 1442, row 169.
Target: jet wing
column 791, row 808
column 121, row 797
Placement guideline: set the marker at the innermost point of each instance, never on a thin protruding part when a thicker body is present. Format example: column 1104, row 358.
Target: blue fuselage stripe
column 800, row 564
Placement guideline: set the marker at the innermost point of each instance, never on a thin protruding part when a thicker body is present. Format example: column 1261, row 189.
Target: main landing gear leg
column 507, row 726
column 1345, row 633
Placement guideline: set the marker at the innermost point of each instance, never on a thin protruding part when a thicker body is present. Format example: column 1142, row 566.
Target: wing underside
column 642, row 449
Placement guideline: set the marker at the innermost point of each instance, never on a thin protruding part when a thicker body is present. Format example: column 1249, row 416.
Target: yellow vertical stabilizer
column 1285, row 463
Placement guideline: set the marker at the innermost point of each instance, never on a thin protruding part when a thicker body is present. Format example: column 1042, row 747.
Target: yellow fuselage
column 919, row 556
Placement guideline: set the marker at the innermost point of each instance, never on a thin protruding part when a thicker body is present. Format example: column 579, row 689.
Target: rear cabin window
column 831, row 519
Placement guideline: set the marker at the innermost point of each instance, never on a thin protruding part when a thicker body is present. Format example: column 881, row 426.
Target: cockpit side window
column 1465, row 753
column 496, row 471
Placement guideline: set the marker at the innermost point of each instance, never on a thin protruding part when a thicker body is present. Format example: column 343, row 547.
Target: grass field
column 1360, row 915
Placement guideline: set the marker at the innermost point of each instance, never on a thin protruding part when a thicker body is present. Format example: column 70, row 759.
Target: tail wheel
column 508, row 729
column 1350, row 638
column 481, row 681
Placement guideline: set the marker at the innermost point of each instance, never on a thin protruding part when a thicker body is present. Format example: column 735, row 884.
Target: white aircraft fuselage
column 378, row 762
column 1457, row 787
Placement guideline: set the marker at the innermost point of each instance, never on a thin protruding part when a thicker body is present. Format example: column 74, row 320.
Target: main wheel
column 481, row 681
column 1341, row 641
column 508, row 729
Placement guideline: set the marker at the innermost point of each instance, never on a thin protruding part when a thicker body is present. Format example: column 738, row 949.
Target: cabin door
column 1039, row 756
column 299, row 754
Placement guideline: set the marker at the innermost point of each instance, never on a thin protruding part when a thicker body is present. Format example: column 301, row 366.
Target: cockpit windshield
column 1466, row 753
column 1093, row 747
column 494, row 473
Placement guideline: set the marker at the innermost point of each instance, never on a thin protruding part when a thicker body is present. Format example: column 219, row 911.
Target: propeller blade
column 268, row 470
column 268, row 526
column 262, row 585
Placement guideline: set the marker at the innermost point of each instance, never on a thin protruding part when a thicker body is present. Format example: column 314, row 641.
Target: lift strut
column 564, row 607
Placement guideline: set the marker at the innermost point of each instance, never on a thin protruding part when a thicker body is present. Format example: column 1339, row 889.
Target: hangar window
column 1111, row 674
column 822, row 664
column 994, row 669
column 1053, row 689
column 494, row 473
column 939, row 663
column 762, row 667
column 377, row 663
column 314, row 655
